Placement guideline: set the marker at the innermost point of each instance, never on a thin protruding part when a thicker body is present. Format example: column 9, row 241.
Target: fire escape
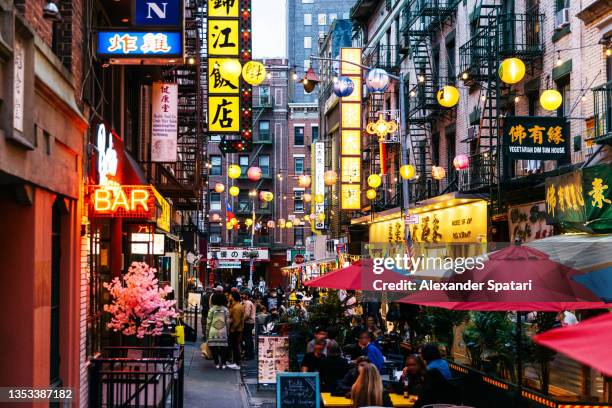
column 424, row 19
column 182, row 181
column 497, row 35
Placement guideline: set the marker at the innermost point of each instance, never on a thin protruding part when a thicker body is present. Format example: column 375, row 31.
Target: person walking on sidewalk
column 249, row 325
column 217, row 324
column 236, row 329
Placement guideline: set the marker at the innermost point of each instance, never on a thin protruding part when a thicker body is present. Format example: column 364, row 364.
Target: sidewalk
column 207, row 387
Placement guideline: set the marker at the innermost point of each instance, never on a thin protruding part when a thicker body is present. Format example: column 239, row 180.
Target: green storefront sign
column 581, row 200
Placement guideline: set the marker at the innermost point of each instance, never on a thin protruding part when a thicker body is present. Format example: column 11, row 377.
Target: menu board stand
column 297, row 390
column 272, row 358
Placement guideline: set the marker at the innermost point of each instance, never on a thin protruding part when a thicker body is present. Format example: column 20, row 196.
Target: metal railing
column 602, row 112
column 474, row 55
column 478, row 174
column 521, row 34
column 386, row 57
column 428, row 15
column 138, row 376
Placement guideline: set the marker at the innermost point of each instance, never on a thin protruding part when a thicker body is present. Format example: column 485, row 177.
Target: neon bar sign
column 136, row 201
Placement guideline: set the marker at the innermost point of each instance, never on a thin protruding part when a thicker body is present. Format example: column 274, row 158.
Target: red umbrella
column 585, row 342
column 360, row 276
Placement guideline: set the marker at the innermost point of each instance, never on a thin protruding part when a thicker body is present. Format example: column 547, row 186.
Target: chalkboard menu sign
column 297, row 390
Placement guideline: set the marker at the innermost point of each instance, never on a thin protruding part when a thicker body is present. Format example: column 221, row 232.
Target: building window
column 332, row 17
column 214, row 236
column 345, row 15
column 298, row 165
column 215, row 162
column 307, row 1
column 322, row 19
column 214, row 138
column 244, row 205
column 264, row 95
column 298, row 236
column 264, row 130
column 563, row 86
column 308, row 42
column 298, row 135
column 264, row 205
column 307, row 19
column 298, row 201
column 264, row 164
column 315, row 133
column 243, row 162
column 215, row 201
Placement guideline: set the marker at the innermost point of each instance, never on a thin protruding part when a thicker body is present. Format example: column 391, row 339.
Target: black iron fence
column 137, row 377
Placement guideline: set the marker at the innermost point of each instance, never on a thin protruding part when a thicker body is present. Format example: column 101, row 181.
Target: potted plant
column 138, row 305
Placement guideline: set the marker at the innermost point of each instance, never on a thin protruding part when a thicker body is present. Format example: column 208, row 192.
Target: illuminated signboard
column 164, row 122
column 163, row 211
column 147, row 243
column 157, row 12
column 350, row 132
column 229, row 96
column 319, row 181
column 140, row 44
column 536, row 138
column 123, row 201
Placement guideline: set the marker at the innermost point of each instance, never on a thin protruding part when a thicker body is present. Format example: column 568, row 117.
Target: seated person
column 320, row 334
column 368, row 389
column 436, row 388
column 332, row 368
column 412, row 375
column 312, row 360
column 343, row 388
column 369, row 349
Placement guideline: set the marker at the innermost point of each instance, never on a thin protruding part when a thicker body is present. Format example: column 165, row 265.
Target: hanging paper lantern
column 312, row 217
column 230, row 68
column 254, row 72
column 215, row 217
column 219, row 188
column 229, row 225
column 257, row 226
column 234, row 221
column 407, row 172
column 343, row 86
column 511, row 70
column 374, row 180
column 234, row 171
column 234, row 191
column 371, row 194
column 310, row 80
column 330, row 177
column 288, row 224
column 321, row 217
column 448, row 96
column 461, row 162
column 266, row 196
column 438, row 172
column 377, row 80
column 248, row 222
column 319, row 199
column 270, row 224
column 254, row 173
column 307, row 198
column 551, row 99
column 304, row 181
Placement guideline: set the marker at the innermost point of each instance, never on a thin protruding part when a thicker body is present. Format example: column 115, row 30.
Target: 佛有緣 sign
column 536, row 137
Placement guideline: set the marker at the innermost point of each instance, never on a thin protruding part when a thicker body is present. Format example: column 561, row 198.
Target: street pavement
column 207, row 387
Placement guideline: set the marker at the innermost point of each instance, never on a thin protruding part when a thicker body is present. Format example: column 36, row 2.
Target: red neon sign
column 123, row 201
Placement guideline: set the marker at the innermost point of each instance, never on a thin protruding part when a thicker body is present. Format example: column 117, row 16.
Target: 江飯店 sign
column 238, row 254
column 141, row 44
column 157, row 13
column 536, row 137
column 164, row 122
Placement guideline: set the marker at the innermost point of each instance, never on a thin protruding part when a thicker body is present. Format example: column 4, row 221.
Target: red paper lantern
column 254, row 173
column 461, row 162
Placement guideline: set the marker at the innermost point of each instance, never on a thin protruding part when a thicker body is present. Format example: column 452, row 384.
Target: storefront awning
column 309, row 263
column 583, row 252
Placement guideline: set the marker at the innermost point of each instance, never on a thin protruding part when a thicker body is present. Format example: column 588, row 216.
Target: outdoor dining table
column 398, row 401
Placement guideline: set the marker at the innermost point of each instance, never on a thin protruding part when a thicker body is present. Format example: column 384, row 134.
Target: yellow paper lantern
column 229, row 225
column 233, row 171
column 248, row 222
column 330, row 177
column 307, row 198
column 266, row 196
column 438, row 172
column 288, row 224
column 234, row 221
column 234, row 191
column 321, row 217
column 511, row 70
column 219, row 188
column 407, row 172
column 319, row 198
column 231, row 68
column 374, row 180
column 551, row 99
column 304, row 181
column 371, row 194
column 448, row 96
column 254, row 72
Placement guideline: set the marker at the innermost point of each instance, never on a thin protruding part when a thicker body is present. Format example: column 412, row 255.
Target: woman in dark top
column 332, row 368
column 312, row 361
column 412, row 375
column 436, row 388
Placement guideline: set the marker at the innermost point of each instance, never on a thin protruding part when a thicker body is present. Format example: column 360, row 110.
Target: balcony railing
column 428, row 15
column 423, row 188
column 386, row 57
column 478, row 174
column 263, row 137
column 602, row 110
column 263, row 101
column 521, row 35
column 475, row 55
column 422, row 99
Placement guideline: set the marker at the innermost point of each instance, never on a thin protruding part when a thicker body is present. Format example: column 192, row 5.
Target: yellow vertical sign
column 223, row 37
column 350, row 131
column 223, row 8
column 223, row 113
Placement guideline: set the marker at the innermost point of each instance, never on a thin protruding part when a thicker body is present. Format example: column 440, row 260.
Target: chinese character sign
column 597, row 187
column 223, row 8
column 536, row 138
column 164, row 122
column 140, row 44
column 223, row 113
column 223, row 37
column 221, row 82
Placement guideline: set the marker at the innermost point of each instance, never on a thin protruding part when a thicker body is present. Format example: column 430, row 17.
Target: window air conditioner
column 562, row 18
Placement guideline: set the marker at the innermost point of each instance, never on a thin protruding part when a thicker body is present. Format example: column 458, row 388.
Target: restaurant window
column 215, row 169
column 298, row 135
column 243, row 162
column 264, row 130
column 298, row 201
column 298, row 165
column 298, row 236
column 264, row 164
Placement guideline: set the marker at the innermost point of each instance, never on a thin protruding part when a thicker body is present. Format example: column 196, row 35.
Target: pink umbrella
column 585, row 342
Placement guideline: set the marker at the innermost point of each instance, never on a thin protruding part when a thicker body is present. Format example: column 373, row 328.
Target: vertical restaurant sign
column 350, row 125
column 319, row 182
column 18, row 84
column 536, row 137
column 164, row 122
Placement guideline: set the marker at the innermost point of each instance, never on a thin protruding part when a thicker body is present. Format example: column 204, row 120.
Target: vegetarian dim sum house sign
column 536, row 137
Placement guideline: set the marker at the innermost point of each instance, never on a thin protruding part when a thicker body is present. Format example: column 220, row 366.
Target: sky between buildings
column 268, row 24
